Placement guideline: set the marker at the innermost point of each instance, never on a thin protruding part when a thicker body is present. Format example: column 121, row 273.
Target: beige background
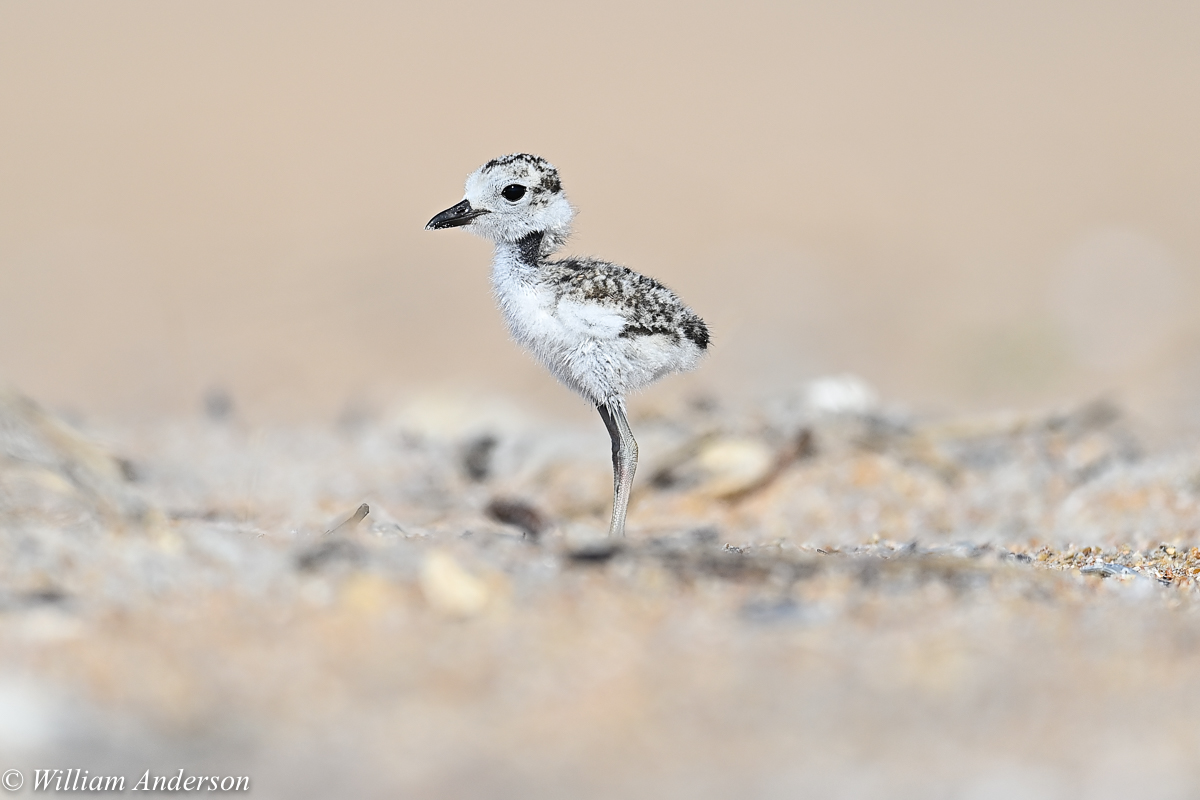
column 969, row 207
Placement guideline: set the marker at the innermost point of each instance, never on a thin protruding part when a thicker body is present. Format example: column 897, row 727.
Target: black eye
column 513, row 192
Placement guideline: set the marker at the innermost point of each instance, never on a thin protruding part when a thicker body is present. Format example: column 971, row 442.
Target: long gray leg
column 624, row 454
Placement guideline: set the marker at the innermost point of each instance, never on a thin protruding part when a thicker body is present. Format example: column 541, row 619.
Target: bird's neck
column 524, row 253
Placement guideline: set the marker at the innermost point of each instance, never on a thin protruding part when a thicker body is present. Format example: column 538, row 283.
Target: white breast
column 580, row 342
column 567, row 336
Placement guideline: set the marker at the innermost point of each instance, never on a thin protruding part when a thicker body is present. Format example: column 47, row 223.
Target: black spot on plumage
column 630, row 331
column 529, row 247
column 695, row 329
column 503, row 161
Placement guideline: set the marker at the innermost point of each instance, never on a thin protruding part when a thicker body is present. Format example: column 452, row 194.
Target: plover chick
column 602, row 329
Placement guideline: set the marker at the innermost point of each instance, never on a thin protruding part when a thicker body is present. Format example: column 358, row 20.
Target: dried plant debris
column 477, row 457
column 820, row 597
column 49, row 457
column 349, row 524
column 519, row 514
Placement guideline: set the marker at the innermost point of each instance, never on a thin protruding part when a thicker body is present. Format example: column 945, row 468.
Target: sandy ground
column 818, row 597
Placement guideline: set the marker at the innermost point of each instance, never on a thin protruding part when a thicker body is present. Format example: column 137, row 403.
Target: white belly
column 581, row 342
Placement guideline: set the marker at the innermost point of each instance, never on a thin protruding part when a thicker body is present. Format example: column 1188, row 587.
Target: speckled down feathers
column 547, row 175
column 649, row 307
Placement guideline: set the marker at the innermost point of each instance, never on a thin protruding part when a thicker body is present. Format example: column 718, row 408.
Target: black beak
column 455, row 216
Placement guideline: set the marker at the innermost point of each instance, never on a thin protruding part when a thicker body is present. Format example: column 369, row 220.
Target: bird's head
column 509, row 198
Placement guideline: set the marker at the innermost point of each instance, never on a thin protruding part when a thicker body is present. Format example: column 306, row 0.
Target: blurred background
column 968, row 206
